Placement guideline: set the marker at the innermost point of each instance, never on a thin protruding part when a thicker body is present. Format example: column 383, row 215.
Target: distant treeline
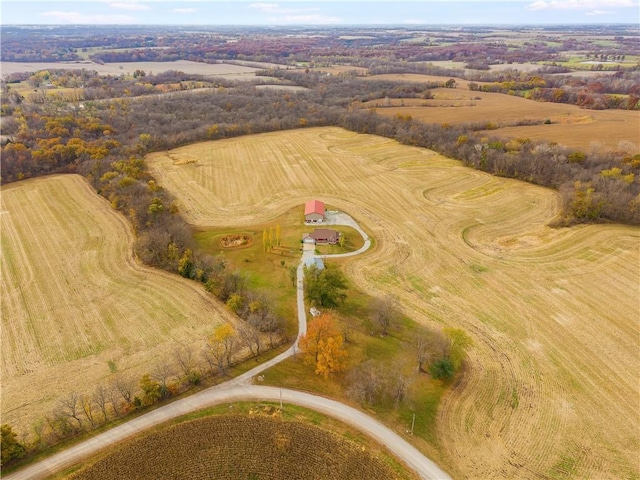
column 596, row 185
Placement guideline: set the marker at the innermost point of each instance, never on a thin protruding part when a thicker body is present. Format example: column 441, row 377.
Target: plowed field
column 551, row 388
column 73, row 298
column 241, row 447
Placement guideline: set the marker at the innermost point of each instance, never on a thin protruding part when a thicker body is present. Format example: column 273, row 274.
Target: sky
column 318, row 12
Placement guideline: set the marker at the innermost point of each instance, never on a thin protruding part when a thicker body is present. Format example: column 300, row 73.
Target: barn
column 314, row 211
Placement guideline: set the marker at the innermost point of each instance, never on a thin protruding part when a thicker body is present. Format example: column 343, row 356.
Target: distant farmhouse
column 314, row 211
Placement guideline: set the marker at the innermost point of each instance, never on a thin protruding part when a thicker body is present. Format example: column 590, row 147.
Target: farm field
column 571, row 126
column 551, row 383
column 215, row 69
column 260, row 443
column 73, row 298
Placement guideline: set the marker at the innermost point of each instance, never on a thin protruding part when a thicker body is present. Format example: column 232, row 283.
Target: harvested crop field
column 211, row 69
column 240, row 447
column 551, row 388
column 570, row 125
column 73, row 298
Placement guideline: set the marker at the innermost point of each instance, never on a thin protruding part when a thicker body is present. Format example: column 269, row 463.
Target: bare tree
column 162, row 372
column 397, row 384
column 215, row 355
column 114, row 397
column 428, row 347
column 365, row 382
column 384, row 312
column 125, row 385
column 59, row 424
column 346, row 328
column 186, row 362
column 86, row 403
column 101, row 399
column 250, row 337
column 70, row 405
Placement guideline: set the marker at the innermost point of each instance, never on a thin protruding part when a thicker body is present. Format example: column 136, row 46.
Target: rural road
column 240, row 389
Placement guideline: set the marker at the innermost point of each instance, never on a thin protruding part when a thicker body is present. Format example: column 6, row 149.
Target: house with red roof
column 314, row 211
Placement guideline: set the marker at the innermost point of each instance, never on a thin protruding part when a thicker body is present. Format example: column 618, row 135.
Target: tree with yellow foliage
column 323, row 347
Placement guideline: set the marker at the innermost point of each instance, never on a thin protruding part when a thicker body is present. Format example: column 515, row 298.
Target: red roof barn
column 314, row 211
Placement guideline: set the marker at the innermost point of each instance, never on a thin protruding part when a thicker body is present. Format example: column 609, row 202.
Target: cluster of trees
column 622, row 90
column 436, row 353
column 325, row 287
column 10, row 447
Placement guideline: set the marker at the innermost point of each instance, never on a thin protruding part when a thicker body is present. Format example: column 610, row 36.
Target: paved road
column 239, row 389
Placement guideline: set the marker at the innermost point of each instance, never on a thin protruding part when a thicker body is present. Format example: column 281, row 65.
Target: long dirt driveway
column 240, row 389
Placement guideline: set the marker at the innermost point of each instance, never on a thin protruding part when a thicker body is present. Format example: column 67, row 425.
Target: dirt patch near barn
column 236, row 241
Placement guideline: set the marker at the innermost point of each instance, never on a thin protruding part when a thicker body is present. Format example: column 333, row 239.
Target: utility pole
column 280, row 399
column 413, row 422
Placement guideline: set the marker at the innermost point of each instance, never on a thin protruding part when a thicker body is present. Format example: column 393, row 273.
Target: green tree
column 186, row 265
column 151, row 389
column 326, row 287
column 586, row 203
column 442, row 368
column 10, row 448
column 235, row 303
column 459, row 342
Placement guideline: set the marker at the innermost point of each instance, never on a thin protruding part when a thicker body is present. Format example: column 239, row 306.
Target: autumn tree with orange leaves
column 323, row 347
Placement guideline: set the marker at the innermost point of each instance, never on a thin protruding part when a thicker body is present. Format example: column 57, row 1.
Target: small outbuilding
column 314, row 211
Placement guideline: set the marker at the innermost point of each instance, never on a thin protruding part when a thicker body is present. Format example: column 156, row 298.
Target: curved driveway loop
column 239, row 389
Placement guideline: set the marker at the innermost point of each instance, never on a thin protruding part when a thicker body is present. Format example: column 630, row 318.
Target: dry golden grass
column 73, row 298
column 552, row 383
column 571, row 126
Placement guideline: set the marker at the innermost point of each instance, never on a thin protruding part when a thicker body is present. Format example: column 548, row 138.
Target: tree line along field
column 257, row 444
column 570, row 125
column 74, row 298
column 550, row 388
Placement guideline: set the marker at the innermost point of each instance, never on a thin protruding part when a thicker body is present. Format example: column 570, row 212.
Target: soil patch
column 236, row 241
column 238, row 446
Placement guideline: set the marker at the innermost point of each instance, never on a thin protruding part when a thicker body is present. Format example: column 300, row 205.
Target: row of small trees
column 121, row 393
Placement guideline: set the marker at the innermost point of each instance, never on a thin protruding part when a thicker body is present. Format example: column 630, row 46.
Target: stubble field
column 73, row 298
column 119, row 68
column 551, row 383
column 570, row 126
